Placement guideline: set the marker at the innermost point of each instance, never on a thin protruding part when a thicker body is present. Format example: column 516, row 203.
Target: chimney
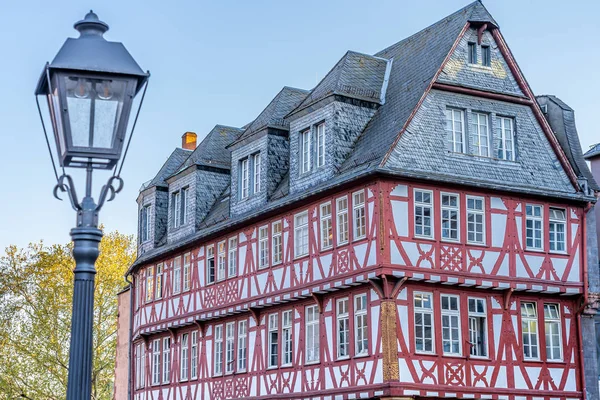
column 188, row 141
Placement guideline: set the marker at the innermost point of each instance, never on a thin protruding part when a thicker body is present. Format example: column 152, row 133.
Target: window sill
column 534, row 250
column 426, row 353
column 558, row 252
column 263, row 267
column 241, row 371
column 327, row 248
column 343, row 358
column 361, row 355
column 308, row 363
column 454, row 355
column 286, row 366
column 359, row 238
column 454, row 241
column 183, row 380
column 478, row 244
column 298, row 257
column 430, row 238
column 480, row 67
column 272, row 367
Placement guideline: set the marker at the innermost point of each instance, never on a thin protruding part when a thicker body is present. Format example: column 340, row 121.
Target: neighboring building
column 121, row 386
column 415, row 226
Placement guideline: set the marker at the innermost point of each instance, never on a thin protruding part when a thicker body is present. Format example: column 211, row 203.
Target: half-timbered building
column 418, row 225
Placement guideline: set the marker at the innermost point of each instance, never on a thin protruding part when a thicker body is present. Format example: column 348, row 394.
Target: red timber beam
column 318, row 298
column 480, row 31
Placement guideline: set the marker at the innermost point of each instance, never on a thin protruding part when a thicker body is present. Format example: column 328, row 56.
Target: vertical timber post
column 389, row 341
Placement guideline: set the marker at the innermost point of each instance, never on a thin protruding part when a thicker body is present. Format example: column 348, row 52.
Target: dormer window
column 145, row 224
column 178, row 208
column 245, row 178
column 321, row 144
column 256, row 166
column 305, row 143
column 486, row 57
column 250, row 175
column 472, row 53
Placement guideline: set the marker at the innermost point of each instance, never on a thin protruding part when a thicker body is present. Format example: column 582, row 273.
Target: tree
column 36, row 289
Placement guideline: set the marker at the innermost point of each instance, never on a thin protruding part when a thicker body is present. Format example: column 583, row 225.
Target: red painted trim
column 481, row 93
column 506, row 53
column 480, row 32
column 418, row 106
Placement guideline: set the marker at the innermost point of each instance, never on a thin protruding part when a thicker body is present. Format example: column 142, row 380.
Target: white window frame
column 184, row 358
column 506, row 138
column 476, row 331
column 221, row 260
column 555, row 221
column 424, row 311
column 359, row 215
column 242, row 348
column 475, row 213
column 159, row 281
column 530, row 211
column 446, row 217
column 184, row 200
column 256, row 161
column 177, row 275
column 218, row 351
column 341, row 210
column 343, row 328
column 287, row 344
column 476, row 132
column 326, row 226
column 194, row 356
column 232, row 256
column 156, row 362
column 423, row 205
column 312, row 334
column 301, row 235
column 361, row 325
column 140, row 365
column 553, row 332
column 166, row 350
column 277, row 245
column 527, row 321
column 210, row 255
column 321, row 144
column 230, row 347
column 263, row 246
column 456, row 137
column 145, row 224
column 305, row 151
column 453, row 325
column 176, row 209
column 149, row 283
column 273, row 341
column 244, row 178
column 187, row 272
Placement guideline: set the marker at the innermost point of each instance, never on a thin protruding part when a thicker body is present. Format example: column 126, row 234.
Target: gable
column 497, row 77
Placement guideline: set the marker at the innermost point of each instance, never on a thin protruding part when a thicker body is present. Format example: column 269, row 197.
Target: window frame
column 287, row 343
column 177, row 276
column 314, row 326
column 230, row 359
column 534, row 219
column 361, row 314
column 184, row 200
column 558, row 322
column 305, row 151
column 156, row 362
column 478, row 315
column 326, row 225
column 360, row 220
column 145, row 223
column 448, row 312
column 530, row 319
column 194, row 355
column 501, row 133
column 450, row 114
column 424, row 311
column 342, row 221
column 475, row 131
column 244, row 178
column 210, row 255
column 553, row 223
column 273, row 341
column 184, row 351
column 218, row 351
column 158, row 281
column 256, row 173
column 486, row 56
column 242, row 345
column 221, row 260
column 321, row 144
column 277, row 247
column 263, row 247
column 187, row 272
column 476, row 212
column 300, row 229
column 342, row 314
column 149, row 284
column 424, row 205
column 166, row 361
column 472, row 53
column 175, row 209
column 232, row 263
column 450, row 209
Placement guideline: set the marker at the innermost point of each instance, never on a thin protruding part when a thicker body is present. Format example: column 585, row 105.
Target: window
column 210, row 264
column 455, row 128
column 177, row 275
column 360, row 224
column 530, row 331
column 232, row 256
column 186, row 272
column 557, row 229
column 478, row 133
column 178, row 207
column 423, row 213
column 183, row 212
column 321, row 144
column 450, row 211
column 506, row 139
column 229, row 350
column 326, row 228
column 218, row 350
column 477, row 327
column 312, row 334
column 553, row 332
column 145, row 224
column 140, row 365
column 149, row 283
column 183, row 362
column 156, row 362
column 194, row 356
column 305, row 151
column 263, row 246
column 277, row 243
column 273, row 341
column 244, row 178
column 286, row 337
column 423, row 322
column 342, row 220
column 166, row 359
column 159, row 280
column 475, row 220
column 450, row 324
column 301, row 234
column 256, row 159
column 242, row 334
column 221, row 261
column 343, row 328
column 361, row 334
column 533, row 227
column 486, row 56
column 472, row 53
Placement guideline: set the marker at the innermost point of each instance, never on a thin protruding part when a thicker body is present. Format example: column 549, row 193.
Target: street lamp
column 90, row 86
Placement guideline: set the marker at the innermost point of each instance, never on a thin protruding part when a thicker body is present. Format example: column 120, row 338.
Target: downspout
column 586, row 302
column 129, row 346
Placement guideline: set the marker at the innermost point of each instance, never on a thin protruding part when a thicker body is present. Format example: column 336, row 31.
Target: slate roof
column 566, row 133
column 177, row 157
column 592, row 152
column 356, row 75
column 273, row 115
column 212, row 150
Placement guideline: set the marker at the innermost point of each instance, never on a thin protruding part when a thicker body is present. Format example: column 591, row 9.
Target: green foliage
column 36, row 289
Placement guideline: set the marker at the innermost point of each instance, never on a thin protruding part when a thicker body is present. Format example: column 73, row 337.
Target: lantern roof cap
column 92, row 53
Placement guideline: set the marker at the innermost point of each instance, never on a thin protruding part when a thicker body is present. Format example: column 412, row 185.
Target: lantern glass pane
column 107, row 111
column 79, row 104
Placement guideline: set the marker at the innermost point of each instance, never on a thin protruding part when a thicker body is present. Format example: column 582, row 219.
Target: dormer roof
column 593, row 151
column 177, row 157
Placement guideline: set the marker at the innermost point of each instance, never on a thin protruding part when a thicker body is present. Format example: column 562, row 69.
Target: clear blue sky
column 222, row 61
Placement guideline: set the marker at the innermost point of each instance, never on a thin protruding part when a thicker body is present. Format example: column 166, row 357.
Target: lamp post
column 90, row 86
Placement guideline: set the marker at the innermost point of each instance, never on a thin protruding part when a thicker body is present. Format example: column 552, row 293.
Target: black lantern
column 90, row 86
